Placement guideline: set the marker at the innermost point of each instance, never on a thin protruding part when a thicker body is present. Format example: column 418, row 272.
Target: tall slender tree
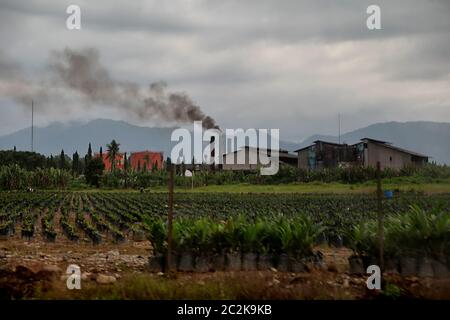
column 125, row 169
column 94, row 172
column 101, row 152
column 90, row 151
column 88, row 156
column 75, row 163
column 62, row 160
column 125, row 162
column 113, row 151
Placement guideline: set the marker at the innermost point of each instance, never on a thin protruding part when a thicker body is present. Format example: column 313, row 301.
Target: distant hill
column 430, row 138
column 76, row 137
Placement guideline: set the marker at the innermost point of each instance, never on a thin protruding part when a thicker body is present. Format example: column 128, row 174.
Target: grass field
column 339, row 188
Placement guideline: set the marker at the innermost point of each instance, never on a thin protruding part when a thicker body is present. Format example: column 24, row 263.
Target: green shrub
column 204, row 235
column 157, row 233
column 416, row 231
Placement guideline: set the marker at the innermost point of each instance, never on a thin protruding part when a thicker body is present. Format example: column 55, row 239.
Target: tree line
column 24, row 169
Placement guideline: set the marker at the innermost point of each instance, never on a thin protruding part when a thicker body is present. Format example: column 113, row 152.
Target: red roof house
column 107, row 160
column 146, row 159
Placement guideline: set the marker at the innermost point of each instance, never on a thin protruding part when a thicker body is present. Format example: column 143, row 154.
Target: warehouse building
column 367, row 152
column 248, row 158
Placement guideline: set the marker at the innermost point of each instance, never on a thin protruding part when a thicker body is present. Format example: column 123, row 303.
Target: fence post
column 170, row 220
column 380, row 218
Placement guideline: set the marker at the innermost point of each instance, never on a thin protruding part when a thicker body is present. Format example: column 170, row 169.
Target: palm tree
column 113, row 150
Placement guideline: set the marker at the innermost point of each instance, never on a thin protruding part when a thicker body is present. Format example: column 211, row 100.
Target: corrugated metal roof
column 379, row 142
column 304, row 148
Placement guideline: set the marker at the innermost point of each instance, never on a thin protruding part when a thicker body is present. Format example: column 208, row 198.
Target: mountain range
column 425, row 137
column 430, row 138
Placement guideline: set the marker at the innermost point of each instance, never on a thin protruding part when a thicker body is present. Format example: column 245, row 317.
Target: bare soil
column 37, row 269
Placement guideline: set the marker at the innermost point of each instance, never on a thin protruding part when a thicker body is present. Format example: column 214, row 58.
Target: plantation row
column 104, row 216
column 77, row 216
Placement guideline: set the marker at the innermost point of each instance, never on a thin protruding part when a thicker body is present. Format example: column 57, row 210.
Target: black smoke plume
column 71, row 72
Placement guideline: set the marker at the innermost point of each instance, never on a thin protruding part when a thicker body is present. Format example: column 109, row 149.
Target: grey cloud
column 234, row 21
column 426, row 59
column 289, row 64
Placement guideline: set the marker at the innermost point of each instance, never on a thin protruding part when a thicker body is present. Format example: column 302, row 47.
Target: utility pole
column 339, row 128
column 380, row 218
column 339, row 149
column 32, row 126
column 170, row 221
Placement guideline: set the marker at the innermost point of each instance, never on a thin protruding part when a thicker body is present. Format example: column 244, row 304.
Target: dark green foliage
column 219, row 223
column 76, row 163
column 62, row 160
column 287, row 174
column 88, row 156
column 294, row 235
column 416, row 231
column 94, row 172
column 113, row 150
column 51, row 162
column 24, row 159
column 350, row 175
column 13, row 177
column 125, row 162
column 157, row 233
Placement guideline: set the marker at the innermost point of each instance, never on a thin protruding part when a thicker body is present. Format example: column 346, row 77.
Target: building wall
column 367, row 153
column 389, row 158
column 326, row 155
column 366, row 157
column 135, row 159
column 242, row 156
column 303, row 159
column 146, row 158
column 107, row 161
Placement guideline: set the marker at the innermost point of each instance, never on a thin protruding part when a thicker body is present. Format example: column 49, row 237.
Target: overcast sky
column 292, row 65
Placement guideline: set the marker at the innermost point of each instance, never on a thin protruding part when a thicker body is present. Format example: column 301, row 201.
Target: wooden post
column 380, row 218
column 170, row 220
